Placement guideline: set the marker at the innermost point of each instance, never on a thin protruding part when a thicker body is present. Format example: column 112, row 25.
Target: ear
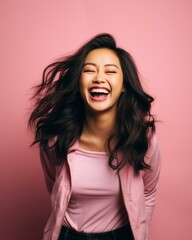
column 123, row 89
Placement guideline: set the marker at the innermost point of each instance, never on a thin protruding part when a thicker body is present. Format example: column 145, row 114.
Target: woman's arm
column 48, row 169
column 151, row 176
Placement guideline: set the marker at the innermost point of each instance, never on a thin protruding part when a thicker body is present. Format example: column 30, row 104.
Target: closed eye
column 88, row 71
column 111, row 72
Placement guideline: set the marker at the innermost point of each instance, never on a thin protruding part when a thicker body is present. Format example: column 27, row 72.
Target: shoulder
column 153, row 152
column 154, row 159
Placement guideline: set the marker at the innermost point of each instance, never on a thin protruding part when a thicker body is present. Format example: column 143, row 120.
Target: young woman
column 98, row 146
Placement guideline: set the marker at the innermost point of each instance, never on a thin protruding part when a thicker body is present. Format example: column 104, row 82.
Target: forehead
column 102, row 55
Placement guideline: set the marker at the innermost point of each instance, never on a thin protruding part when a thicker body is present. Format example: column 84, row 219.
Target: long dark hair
column 58, row 115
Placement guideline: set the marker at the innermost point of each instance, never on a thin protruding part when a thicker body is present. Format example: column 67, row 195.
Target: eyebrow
column 106, row 65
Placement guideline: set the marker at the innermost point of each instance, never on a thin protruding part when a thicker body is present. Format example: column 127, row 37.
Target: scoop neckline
column 90, row 151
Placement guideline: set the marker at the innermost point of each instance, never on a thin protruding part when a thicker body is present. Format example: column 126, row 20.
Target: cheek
column 118, row 84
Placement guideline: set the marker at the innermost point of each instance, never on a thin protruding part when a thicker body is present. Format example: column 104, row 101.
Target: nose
column 99, row 78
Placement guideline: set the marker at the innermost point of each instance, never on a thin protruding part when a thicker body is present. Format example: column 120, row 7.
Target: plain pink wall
column 158, row 33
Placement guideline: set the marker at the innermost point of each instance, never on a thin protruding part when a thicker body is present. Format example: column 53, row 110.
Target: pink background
column 158, row 33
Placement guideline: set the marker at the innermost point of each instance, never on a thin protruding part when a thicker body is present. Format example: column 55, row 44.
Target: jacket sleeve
column 48, row 170
column 151, row 176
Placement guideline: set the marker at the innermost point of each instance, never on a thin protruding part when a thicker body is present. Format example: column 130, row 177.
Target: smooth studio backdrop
column 158, row 34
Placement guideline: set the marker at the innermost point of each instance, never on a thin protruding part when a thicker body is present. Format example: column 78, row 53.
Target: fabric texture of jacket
column 138, row 191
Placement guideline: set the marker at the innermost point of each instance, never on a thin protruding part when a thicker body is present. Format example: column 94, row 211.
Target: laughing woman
column 98, row 147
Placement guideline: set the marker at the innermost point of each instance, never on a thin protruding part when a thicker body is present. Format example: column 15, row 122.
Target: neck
column 100, row 125
column 97, row 128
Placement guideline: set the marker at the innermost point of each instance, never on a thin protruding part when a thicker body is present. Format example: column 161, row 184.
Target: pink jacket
column 138, row 191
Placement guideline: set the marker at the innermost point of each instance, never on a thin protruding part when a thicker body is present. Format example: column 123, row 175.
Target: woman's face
column 101, row 81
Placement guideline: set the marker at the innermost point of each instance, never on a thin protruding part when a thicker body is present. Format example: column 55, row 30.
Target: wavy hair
column 58, row 114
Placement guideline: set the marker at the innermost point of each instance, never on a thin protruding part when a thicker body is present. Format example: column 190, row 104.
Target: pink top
column 96, row 203
column 138, row 190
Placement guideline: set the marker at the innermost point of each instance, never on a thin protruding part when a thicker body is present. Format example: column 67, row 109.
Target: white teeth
column 99, row 90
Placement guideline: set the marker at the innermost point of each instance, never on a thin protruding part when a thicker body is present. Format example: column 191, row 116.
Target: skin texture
column 101, row 72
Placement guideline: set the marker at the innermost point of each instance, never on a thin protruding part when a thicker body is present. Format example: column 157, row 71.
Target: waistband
column 120, row 233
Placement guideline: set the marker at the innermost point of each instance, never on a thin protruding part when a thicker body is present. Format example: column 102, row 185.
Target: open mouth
column 99, row 92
